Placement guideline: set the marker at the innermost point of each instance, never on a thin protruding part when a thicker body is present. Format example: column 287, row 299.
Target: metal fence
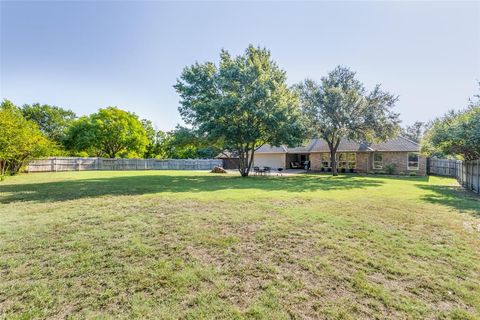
column 82, row 164
column 466, row 172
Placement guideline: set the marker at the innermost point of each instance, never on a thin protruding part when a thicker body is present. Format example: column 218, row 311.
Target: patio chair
column 266, row 170
column 295, row 165
column 256, row 170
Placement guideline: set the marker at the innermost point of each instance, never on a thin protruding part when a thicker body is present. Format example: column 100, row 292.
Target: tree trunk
column 241, row 162
column 333, row 146
column 333, row 162
column 3, row 164
column 245, row 160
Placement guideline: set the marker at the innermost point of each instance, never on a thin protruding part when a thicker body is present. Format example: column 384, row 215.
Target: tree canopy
column 20, row 139
column 456, row 134
column 51, row 120
column 110, row 131
column 340, row 107
column 415, row 132
column 241, row 104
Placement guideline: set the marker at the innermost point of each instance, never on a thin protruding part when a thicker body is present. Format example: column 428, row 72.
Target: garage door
column 273, row 161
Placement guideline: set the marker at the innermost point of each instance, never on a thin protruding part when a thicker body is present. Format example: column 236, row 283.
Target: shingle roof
column 399, row 144
column 304, row 148
column 344, row 146
column 266, row 148
column 396, row 144
column 227, row 154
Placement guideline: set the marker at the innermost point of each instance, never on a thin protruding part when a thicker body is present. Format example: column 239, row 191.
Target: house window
column 352, row 160
column 412, row 161
column 377, row 161
column 342, row 160
column 347, row 160
column 325, row 160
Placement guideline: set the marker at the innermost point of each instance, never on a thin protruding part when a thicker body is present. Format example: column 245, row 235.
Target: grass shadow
column 452, row 196
column 151, row 184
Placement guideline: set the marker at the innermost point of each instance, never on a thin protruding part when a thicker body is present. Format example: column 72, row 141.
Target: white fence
column 82, row 164
column 466, row 172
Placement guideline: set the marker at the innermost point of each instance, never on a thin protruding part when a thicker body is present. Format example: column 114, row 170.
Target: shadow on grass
column 452, row 196
column 151, row 184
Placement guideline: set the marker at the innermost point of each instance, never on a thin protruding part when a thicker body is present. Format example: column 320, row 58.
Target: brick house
column 400, row 152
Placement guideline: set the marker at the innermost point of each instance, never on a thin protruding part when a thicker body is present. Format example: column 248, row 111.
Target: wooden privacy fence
column 466, row 172
column 82, row 164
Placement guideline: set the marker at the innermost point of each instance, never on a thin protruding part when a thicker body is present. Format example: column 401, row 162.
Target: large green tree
column 111, row 132
column 456, row 134
column 340, row 107
column 185, row 143
column 20, row 140
column 52, row 120
column 243, row 103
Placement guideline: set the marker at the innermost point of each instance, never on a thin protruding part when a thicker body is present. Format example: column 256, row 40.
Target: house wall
column 273, row 160
column 315, row 161
column 400, row 159
column 365, row 162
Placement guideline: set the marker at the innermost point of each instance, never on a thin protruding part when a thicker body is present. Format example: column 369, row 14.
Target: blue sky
column 88, row 55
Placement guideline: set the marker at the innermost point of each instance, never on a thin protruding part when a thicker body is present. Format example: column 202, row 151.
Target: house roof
column 227, row 155
column 398, row 144
column 344, row 146
column 266, row 148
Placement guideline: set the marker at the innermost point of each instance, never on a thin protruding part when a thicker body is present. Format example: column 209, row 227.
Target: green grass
column 198, row 245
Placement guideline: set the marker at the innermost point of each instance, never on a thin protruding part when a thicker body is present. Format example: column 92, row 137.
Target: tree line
column 40, row 130
column 237, row 105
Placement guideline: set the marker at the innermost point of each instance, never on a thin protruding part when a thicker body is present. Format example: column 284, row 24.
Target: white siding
column 273, row 160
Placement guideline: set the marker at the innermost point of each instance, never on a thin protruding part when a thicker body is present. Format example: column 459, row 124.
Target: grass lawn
column 165, row 244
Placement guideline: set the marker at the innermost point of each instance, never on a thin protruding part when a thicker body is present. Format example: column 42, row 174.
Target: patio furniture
column 256, row 170
column 279, row 171
column 266, row 170
column 295, row 165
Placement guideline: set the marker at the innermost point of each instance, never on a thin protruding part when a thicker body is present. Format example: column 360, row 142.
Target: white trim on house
column 374, row 165
column 408, row 161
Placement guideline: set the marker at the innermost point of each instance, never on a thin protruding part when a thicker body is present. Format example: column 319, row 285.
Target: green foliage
column 51, row 120
column 111, row 132
column 456, row 134
column 340, row 107
column 184, row 143
column 415, row 132
column 20, row 140
column 412, row 174
column 150, row 149
column 390, row 168
column 241, row 104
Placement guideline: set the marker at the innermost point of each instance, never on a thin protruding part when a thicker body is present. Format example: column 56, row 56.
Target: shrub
column 390, row 168
column 381, row 172
column 412, row 174
column 401, row 173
